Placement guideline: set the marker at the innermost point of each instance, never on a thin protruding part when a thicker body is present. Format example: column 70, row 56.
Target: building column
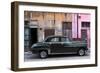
column 74, row 26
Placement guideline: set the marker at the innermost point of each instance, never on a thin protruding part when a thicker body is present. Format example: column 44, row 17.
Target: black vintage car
column 59, row 45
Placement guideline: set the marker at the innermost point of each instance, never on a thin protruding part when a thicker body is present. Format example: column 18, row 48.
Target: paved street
column 28, row 56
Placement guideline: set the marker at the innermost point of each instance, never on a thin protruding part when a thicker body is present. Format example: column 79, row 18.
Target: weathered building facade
column 39, row 25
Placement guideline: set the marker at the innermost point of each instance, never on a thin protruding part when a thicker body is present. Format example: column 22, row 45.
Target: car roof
column 57, row 36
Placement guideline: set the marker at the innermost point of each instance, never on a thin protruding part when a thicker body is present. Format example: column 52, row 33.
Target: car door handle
column 62, row 43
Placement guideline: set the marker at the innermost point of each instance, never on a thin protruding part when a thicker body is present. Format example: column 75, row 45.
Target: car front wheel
column 43, row 54
column 81, row 52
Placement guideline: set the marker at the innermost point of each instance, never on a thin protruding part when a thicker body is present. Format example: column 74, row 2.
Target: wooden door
column 49, row 32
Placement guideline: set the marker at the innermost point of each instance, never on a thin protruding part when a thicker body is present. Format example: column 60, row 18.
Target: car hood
column 38, row 44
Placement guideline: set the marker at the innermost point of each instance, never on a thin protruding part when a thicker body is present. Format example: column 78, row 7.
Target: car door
column 55, row 45
column 67, row 46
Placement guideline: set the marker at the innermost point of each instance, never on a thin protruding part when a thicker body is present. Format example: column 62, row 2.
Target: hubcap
column 43, row 54
column 81, row 52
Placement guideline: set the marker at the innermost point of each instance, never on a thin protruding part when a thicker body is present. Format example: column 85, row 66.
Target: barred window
column 85, row 24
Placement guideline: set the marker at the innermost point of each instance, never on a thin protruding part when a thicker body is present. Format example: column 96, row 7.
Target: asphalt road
column 28, row 56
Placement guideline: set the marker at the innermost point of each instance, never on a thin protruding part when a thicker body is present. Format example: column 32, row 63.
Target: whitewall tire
column 43, row 54
column 81, row 52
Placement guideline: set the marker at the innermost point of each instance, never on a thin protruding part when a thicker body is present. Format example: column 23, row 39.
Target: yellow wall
column 43, row 21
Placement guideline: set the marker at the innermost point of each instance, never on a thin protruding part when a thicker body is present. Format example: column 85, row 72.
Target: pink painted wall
column 79, row 18
column 85, row 17
column 74, row 25
column 82, row 18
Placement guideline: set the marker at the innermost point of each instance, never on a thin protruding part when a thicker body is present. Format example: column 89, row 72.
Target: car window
column 64, row 39
column 54, row 40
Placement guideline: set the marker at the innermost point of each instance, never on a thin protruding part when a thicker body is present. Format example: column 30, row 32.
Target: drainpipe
column 43, row 24
column 54, row 19
column 54, row 25
column 77, row 26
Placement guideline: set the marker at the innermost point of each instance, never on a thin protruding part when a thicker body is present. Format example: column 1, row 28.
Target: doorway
column 84, row 34
column 33, row 36
column 67, row 29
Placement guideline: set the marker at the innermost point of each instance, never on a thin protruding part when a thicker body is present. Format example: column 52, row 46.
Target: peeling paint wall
column 51, row 20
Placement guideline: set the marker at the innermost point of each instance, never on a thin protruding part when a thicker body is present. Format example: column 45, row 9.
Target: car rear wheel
column 43, row 54
column 81, row 52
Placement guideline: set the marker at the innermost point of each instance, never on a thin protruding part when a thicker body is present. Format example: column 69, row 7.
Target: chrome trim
column 65, row 53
